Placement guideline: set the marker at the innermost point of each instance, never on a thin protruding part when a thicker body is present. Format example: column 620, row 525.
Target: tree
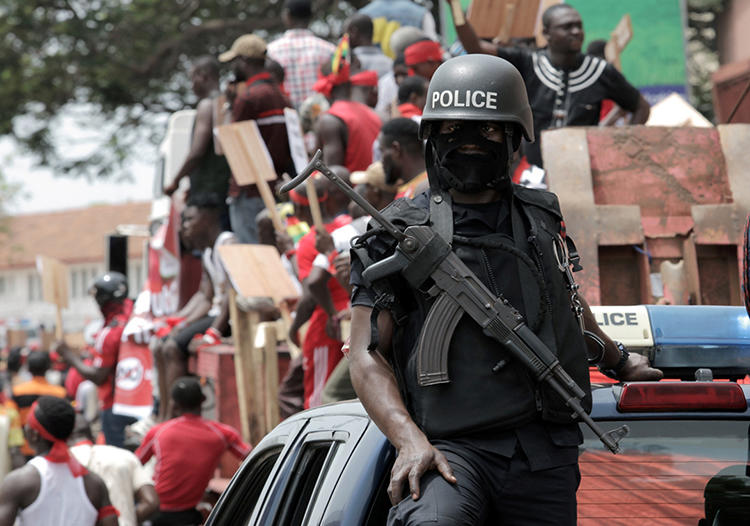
column 121, row 63
column 702, row 51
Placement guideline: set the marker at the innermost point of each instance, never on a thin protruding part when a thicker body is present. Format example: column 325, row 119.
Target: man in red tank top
column 347, row 131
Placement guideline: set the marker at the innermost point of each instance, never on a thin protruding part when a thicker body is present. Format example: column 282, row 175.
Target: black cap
column 187, row 392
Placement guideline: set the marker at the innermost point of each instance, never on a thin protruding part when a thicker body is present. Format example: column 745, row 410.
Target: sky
column 42, row 191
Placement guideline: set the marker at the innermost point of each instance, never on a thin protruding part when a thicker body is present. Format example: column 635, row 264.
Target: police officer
column 492, row 445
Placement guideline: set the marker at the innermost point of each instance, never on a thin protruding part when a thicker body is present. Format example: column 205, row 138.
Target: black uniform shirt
column 576, row 94
column 546, row 445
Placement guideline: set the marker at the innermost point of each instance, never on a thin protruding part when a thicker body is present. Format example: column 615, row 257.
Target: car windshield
column 670, row 472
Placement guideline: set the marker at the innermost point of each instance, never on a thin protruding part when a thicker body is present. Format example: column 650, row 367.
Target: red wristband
column 107, row 511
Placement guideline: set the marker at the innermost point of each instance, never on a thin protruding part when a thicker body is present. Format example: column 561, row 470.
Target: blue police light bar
column 688, row 337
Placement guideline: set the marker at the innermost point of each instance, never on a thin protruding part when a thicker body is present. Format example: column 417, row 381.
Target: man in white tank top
column 207, row 312
column 53, row 489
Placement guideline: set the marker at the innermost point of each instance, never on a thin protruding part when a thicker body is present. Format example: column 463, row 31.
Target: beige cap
column 374, row 176
column 250, row 46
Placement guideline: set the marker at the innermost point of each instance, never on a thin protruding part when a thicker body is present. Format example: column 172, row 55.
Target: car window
column 304, row 482
column 670, row 472
column 239, row 506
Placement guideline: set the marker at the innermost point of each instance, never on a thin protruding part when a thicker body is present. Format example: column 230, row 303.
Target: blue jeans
column 113, row 427
column 242, row 212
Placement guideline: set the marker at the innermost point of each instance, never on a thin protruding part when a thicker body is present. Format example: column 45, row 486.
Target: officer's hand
column 412, row 462
column 637, row 368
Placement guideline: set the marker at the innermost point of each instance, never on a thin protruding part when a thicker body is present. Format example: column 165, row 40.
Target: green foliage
column 123, row 59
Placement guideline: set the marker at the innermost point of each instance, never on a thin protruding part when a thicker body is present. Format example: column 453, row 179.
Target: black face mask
column 470, row 173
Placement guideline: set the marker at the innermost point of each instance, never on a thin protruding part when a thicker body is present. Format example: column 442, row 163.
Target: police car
column 685, row 460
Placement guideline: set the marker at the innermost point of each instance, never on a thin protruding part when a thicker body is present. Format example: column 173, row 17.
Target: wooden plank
column 243, row 329
column 256, row 271
column 541, row 41
column 619, row 38
column 54, row 277
column 250, row 161
column 16, row 338
column 504, row 19
column 271, row 376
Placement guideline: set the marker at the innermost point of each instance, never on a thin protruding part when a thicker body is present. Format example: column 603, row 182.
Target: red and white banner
column 134, row 377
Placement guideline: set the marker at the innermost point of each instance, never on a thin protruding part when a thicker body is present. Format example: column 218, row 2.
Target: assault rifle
column 422, row 255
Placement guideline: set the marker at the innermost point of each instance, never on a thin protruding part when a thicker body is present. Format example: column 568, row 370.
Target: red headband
column 301, row 200
column 326, row 83
column 59, row 453
column 365, row 78
column 423, row 51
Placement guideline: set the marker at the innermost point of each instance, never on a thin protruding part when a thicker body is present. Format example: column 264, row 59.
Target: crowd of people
column 402, row 122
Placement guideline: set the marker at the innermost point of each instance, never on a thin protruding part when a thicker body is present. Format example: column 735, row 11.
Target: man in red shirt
column 187, row 450
column 110, row 292
column 321, row 349
column 347, row 131
column 258, row 98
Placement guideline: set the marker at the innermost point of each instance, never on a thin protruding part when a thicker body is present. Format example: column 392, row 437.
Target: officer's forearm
column 376, row 386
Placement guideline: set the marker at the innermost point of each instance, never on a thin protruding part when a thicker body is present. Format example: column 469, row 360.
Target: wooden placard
column 16, row 338
column 54, row 287
column 246, row 152
column 541, row 41
column 257, row 271
column 250, row 161
column 618, row 40
column 502, row 20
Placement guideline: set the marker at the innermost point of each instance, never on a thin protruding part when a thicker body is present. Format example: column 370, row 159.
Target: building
column 77, row 238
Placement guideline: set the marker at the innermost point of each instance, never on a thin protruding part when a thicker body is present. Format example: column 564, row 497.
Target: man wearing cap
column 299, row 51
column 565, row 87
column 258, row 98
column 403, row 160
column 53, row 488
column 491, row 444
column 187, row 450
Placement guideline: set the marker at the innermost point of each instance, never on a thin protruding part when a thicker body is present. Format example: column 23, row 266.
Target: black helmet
column 477, row 88
column 110, row 287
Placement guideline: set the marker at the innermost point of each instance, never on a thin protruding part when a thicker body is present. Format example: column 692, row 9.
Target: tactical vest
column 489, row 389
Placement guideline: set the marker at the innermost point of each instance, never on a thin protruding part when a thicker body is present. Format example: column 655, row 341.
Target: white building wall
column 21, row 304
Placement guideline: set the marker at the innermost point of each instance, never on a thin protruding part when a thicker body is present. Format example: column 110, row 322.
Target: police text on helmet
column 464, row 99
